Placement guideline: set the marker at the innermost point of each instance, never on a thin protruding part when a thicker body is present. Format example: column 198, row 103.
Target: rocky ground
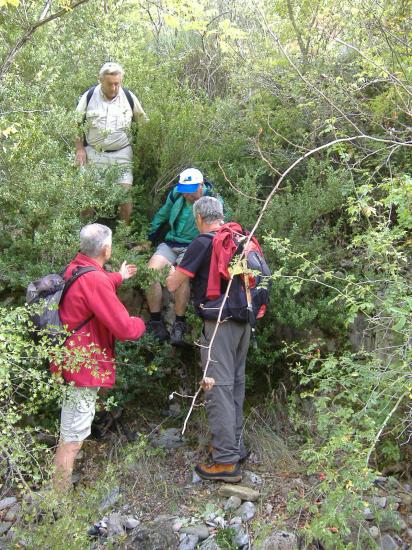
column 156, row 502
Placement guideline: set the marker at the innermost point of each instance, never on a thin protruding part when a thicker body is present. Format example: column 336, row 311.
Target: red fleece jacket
column 94, row 293
column 223, row 249
column 224, row 246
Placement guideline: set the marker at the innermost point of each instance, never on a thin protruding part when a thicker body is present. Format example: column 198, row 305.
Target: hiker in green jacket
column 178, row 214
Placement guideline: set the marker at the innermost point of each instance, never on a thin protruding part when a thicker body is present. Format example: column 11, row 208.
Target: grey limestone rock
column 171, row 438
column 232, row 503
column 379, row 502
column 7, row 502
column 368, row 514
column 247, row 511
column 280, row 540
column 209, row 544
column 200, row 530
column 241, row 538
column 374, row 532
column 111, row 498
column 115, row 525
column 252, row 477
column 155, row 536
column 13, row 512
column 188, row 542
column 131, row 522
column 5, row 526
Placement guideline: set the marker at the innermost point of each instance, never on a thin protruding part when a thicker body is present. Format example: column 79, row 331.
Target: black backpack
column 49, row 292
column 249, row 293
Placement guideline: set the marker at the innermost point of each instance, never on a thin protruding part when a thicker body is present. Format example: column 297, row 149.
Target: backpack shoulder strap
column 76, row 274
column 129, row 98
column 90, row 92
column 172, row 196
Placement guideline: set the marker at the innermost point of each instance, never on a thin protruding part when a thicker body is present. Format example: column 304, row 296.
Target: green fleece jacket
column 179, row 215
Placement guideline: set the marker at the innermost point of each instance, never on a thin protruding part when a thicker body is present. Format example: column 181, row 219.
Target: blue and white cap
column 189, row 180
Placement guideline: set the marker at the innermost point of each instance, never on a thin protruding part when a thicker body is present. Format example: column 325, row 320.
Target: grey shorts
column 78, row 409
column 122, row 158
column 173, row 254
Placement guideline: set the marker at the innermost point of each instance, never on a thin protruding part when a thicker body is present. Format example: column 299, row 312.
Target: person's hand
column 81, row 157
column 127, row 270
column 171, row 270
column 207, row 383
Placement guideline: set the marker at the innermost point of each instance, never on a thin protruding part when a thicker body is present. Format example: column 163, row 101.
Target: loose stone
column 232, row 503
column 402, row 525
column 380, row 479
column 209, row 544
column 379, row 502
column 5, row 526
column 7, row 502
column 200, row 530
column 13, row 512
column 93, row 531
column 196, row 478
column 241, row 538
column 177, row 525
column 253, row 478
column 110, row 499
column 247, row 511
column 171, row 438
column 368, row 514
column 374, row 532
column 131, row 522
column 244, row 493
column 280, row 540
column 189, row 542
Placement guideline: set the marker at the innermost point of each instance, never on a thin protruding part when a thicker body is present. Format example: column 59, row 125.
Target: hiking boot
column 219, row 472
column 158, row 330
column 241, row 460
column 177, row 334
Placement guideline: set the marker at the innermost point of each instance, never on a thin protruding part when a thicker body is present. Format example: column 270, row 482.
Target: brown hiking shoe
column 219, row 472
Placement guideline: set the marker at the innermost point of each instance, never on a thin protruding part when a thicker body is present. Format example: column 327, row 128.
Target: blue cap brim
column 187, row 187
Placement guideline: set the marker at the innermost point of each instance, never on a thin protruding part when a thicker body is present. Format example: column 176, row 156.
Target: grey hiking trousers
column 224, row 402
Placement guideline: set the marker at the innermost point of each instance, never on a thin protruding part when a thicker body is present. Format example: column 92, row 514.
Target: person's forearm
column 79, row 144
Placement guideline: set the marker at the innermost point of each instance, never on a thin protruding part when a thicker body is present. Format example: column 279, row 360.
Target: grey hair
column 111, row 68
column 209, row 209
column 93, row 237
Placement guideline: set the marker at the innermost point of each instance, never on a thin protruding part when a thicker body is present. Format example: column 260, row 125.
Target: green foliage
column 224, row 538
column 360, row 398
column 50, row 520
column 144, row 371
column 26, row 389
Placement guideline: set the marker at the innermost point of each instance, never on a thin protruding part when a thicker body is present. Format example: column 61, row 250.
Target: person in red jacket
column 89, row 360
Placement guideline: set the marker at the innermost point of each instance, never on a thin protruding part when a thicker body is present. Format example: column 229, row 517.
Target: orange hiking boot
column 219, row 472
column 242, row 459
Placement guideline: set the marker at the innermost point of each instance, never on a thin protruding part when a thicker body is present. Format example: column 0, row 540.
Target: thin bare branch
column 235, row 188
column 9, row 59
